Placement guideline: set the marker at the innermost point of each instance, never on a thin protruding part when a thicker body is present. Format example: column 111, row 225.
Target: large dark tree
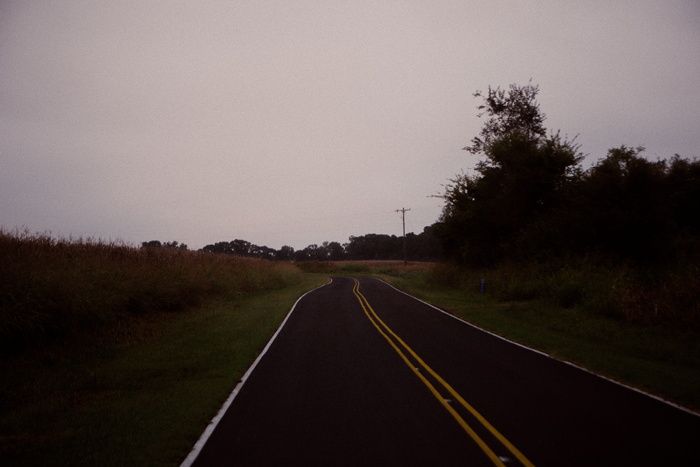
column 514, row 111
column 519, row 178
column 529, row 198
column 635, row 209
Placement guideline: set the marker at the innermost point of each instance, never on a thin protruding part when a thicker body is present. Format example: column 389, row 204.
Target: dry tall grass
column 669, row 296
column 52, row 288
column 392, row 267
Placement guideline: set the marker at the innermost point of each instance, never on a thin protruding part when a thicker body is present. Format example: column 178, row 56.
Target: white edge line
column 619, row 383
column 197, row 448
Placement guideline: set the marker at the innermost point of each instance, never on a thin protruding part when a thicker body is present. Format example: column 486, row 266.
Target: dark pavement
column 332, row 391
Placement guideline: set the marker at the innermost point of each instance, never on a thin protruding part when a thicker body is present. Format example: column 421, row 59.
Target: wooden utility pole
column 403, row 220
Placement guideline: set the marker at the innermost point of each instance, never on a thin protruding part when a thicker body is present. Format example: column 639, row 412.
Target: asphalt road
column 362, row 374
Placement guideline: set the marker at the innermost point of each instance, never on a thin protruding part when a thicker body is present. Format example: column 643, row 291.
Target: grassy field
column 349, row 267
column 136, row 403
column 129, row 386
column 54, row 290
column 663, row 359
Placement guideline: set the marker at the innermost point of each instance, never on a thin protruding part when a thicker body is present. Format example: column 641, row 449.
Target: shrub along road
column 362, row 374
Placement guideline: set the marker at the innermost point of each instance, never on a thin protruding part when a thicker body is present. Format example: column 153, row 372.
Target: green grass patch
column 138, row 397
column 662, row 359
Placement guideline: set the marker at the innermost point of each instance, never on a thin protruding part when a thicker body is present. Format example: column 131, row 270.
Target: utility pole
column 403, row 220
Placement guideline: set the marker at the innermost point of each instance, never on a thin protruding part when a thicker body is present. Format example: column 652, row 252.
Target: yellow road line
column 462, row 423
column 504, row 441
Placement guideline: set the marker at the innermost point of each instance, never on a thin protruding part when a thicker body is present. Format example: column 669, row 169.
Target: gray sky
column 298, row 122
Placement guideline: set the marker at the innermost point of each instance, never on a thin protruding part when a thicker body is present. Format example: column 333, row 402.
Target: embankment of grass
column 140, row 400
column 661, row 358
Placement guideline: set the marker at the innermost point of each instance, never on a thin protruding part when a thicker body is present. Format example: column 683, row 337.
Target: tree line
column 421, row 247
column 529, row 197
column 424, row 246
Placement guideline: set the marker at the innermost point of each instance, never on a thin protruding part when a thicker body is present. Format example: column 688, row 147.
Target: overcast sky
column 285, row 122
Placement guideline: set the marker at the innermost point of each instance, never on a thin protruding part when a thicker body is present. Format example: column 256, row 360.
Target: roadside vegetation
column 114, row 355
column 52, row 290
column 357, row 267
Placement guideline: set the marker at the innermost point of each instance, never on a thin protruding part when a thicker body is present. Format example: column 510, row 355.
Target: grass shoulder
column 143, row 399
column 663, row 360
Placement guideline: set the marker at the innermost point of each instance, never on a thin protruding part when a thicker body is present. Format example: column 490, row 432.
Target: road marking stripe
column 462, row 423
column 519, row 455
column 197, row 448
column 544, row 354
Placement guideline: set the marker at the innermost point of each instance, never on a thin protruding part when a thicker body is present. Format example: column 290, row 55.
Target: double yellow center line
column 416, row 363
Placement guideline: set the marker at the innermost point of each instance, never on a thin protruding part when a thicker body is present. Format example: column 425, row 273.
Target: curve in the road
column 397, row 343
column 330, row 391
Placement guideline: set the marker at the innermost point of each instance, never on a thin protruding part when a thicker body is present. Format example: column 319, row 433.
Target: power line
column 403, row 221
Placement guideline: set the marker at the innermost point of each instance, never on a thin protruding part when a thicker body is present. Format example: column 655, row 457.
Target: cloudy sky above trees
column 285, row 122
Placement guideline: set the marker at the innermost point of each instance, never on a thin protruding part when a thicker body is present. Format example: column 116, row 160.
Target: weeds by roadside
column 52, row 289
column 620, row 292
column 350, row 267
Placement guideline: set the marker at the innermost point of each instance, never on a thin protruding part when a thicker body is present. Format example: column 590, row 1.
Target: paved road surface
column 362, row 374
